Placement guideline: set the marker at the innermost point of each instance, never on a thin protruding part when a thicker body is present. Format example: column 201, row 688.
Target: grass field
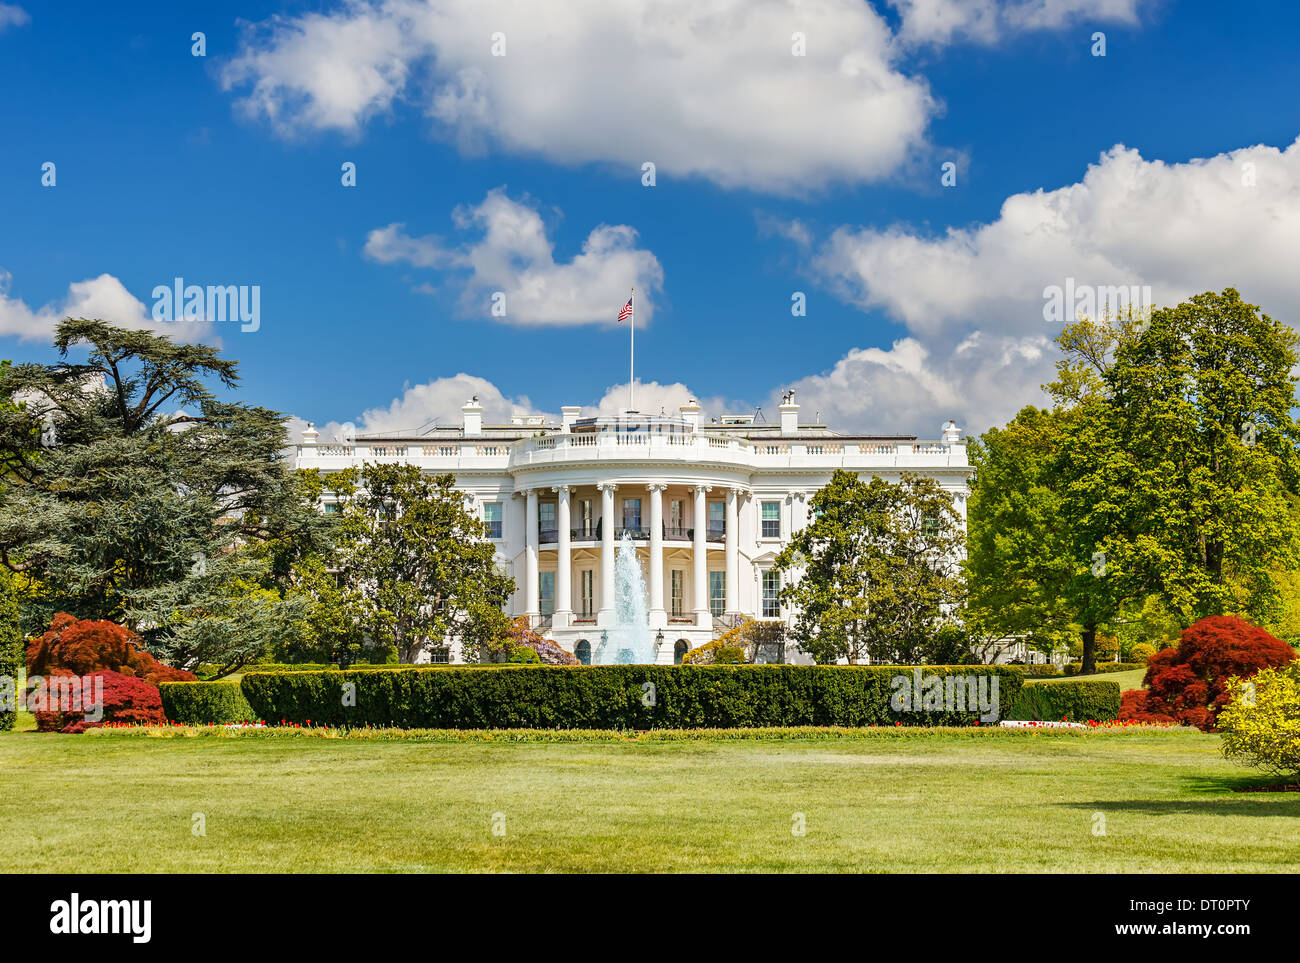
column 881, row 801
column 1127, row 680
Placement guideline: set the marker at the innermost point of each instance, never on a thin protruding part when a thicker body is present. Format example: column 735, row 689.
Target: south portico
column 684, row 531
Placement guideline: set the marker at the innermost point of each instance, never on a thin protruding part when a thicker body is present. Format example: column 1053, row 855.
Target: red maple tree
column 1187, row 684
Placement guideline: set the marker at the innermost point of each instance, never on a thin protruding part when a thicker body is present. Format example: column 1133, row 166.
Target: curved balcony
column 641, row 533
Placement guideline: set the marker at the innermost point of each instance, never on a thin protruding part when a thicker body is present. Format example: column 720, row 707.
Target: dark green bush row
column 11, row 663
column 1074, row 667
column 610, row 697
column 1067, row 700
column 205, row 702
column 1042, row 671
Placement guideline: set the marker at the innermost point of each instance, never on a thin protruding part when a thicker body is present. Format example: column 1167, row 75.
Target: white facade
column 709, row 506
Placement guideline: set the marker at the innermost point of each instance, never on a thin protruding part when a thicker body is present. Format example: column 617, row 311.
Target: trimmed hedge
column 610, row 697
column 205, row 702
column 11, row 663
column 1042, row 670
column 1074, row 667
column 1078, row 700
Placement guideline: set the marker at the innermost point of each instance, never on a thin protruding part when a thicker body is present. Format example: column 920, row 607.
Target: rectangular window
column 676, row 521
column 771, row 595
column 771, row 519
column 546, row 582
column 492, row 518
column 587, row 581
column 717, row 517
column 632, row 514
column 586, row 519
column 546, row 521
column 332, row 508
column 679, row 580
column 717, row 592
column 440, row 655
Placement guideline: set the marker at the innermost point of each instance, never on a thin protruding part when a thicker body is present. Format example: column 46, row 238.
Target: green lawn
column 985, row 802
column 1127, row 680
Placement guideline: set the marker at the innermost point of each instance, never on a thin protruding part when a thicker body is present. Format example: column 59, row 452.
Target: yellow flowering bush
column 1261, row 723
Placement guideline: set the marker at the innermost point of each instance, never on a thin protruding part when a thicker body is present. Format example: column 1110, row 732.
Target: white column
column 700, row 559
column 607, row 525
column 657, row 617
column 563, row 578
column 733, row 551
column 532, row 583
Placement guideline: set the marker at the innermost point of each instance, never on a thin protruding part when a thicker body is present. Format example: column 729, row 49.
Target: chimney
column 568, row 415
column 472, row 413
column 789, row 414
column 310, row 434
column 691, row 414
column 951, row 433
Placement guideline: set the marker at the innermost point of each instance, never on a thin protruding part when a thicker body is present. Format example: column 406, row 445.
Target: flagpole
column 631, row 384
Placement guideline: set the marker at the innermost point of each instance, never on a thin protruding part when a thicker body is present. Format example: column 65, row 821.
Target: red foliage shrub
column 1186, row 684
column 80, row 647
column 124, row 700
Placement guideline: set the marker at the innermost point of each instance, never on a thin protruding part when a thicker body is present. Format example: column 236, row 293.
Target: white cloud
column 12, row 15
column 103, row 297
column 436, row 402
column 939, row 22
column 978, row 347
column 513, row 255
column 705, row 88
column 1180, row 228
column 908, row 390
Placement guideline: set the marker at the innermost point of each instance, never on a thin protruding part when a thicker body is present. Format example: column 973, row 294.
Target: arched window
column 583, row 651
column 679, row 650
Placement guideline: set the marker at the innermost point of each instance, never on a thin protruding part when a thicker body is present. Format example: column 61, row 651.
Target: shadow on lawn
column 1221, row 796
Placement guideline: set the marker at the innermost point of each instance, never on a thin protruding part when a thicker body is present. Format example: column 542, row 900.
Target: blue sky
column 774, row 175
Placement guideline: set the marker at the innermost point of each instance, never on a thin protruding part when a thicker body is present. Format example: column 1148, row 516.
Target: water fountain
column 629, row 641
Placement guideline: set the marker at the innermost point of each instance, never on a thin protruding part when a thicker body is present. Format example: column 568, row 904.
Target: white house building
column 709, row 506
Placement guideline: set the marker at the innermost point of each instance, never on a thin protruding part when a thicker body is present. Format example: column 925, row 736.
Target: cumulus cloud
column 434, row 403
column 706, row 88
column 438, row 403
column 102, row 297
column 939, row 22
column 513, row 256
column 1228, row 220
column 908, row 389
column 972, row 299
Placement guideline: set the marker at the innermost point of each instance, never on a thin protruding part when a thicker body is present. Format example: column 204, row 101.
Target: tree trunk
column 1089, row 650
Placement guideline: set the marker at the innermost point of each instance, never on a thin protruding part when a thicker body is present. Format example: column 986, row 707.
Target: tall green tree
column 1163, row 489
column 418, row 565
column 1017, row 562
column 129, row 491
column 1200, row 411
column 877, row 570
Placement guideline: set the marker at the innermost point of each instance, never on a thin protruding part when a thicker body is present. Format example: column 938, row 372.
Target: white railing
column 675, row 446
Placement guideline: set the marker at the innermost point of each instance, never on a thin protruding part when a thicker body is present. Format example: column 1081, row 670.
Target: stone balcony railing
column 560, row 449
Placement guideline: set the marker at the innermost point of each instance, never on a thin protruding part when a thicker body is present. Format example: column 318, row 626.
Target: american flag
column 626, row 312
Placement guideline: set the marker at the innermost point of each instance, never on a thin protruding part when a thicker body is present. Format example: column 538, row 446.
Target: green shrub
column 1076, row 700
column 524, row 655
column 205, row 702
column 1141, row 652
column 11, row 652
column 611, row 697
column 1261, row 722
column 1046, row 670
column 1074, row 667
column 729, row 655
